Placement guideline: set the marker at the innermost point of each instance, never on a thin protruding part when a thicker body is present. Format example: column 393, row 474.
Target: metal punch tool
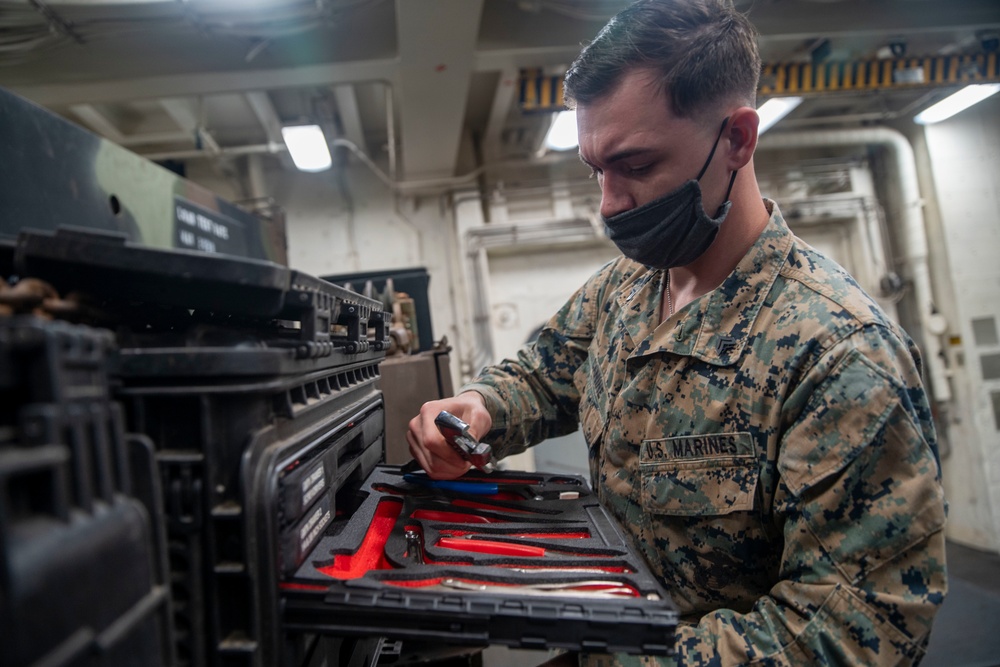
column 588, row 588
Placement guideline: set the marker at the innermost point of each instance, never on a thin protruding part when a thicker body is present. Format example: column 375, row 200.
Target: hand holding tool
column 456, row 433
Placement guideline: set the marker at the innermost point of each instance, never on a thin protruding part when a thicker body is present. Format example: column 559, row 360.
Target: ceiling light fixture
column 307, row 145
column 775, row 109
column 562, row 133
column 956, row 102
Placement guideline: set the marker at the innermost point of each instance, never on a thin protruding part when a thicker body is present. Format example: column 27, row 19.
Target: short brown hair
column 704, row 52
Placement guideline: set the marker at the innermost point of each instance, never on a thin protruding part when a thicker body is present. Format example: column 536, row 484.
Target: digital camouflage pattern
column 769, row 448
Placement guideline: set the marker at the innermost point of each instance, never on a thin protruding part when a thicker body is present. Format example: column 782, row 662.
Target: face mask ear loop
column 732, row 179
column 714, row 146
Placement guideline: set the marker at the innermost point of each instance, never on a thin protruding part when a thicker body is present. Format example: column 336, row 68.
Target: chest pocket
column 701, row 475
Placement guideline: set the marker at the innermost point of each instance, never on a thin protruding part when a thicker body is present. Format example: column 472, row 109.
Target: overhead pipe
column 270, row 148
column 434, row 185
column 390, row 180
column 913, row 219
column 390, row 128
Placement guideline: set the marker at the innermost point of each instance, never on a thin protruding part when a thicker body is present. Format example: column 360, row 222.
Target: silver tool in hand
column 456, row 433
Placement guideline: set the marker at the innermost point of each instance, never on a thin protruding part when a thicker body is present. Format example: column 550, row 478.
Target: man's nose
column 615, row 199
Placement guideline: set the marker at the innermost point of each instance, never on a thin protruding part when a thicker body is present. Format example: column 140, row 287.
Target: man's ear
column 742, row 135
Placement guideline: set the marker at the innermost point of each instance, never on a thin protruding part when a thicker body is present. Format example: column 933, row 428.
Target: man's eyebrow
column 620, row 155
column 627, row 153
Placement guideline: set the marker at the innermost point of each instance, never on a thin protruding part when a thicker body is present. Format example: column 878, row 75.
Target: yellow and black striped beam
column 543, row 93
column 540, row 92
column 888, row 74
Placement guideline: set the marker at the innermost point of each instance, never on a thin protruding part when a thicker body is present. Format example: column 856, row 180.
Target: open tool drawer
column 521, row 559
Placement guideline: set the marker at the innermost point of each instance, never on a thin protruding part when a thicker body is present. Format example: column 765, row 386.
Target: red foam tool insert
column 371, row 554
column 489, row 547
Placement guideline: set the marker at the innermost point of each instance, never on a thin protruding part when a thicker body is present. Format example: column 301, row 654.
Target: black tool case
column 253, row 473
column 82, row 574
column 253, row 389
column 522, row 559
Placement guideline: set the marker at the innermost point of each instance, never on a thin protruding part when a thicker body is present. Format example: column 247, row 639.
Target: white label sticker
column 313, row 485
column 313, row 527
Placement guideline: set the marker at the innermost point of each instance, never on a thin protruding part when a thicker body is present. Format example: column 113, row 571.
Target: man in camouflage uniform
column 754, row 421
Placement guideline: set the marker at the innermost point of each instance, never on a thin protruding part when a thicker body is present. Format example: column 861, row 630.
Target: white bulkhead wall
column 964, row 154
column 346, row 220
column 938, row 198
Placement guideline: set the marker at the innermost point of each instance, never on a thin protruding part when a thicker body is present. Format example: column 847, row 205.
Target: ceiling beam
column 262, row 107
column 98, row 122
column 493, row 60
column 147, row 138
column 93, row 118
column 437, row 40
column 776, row 21
column 506, row 94
column 806, row 20
column 350, row 115
column 185, row 114
column 207, row 83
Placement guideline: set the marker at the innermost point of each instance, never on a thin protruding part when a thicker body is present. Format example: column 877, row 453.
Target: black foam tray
column 364, row 578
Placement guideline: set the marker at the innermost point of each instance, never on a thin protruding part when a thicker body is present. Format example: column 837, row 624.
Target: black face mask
column 672, row 230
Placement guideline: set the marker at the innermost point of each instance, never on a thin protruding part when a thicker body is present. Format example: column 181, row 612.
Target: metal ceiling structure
column 409, row 81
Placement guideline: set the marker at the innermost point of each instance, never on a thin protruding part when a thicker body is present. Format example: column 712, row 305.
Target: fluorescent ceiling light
column 775, row 109
column 307, row 144
column 959, row 101
column 562, row 133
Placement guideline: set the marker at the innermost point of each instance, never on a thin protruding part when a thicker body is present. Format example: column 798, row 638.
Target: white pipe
column 913, row 219
column 390, row 130
column 270, row 148
column 435, row 185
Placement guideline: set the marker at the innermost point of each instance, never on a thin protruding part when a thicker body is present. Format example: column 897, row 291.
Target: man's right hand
column 428, row 446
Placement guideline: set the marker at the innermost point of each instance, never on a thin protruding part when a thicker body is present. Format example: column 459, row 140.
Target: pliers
column 456, row 433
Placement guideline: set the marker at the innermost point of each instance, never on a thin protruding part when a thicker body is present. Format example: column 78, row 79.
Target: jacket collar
column 716, row 326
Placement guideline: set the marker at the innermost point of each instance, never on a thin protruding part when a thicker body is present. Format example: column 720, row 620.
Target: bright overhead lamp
column 956, row 102
column 308, row 148
column 775, row 109
column 562, row 133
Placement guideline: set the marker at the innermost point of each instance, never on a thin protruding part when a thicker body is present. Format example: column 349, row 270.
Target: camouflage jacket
column 769, row 449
